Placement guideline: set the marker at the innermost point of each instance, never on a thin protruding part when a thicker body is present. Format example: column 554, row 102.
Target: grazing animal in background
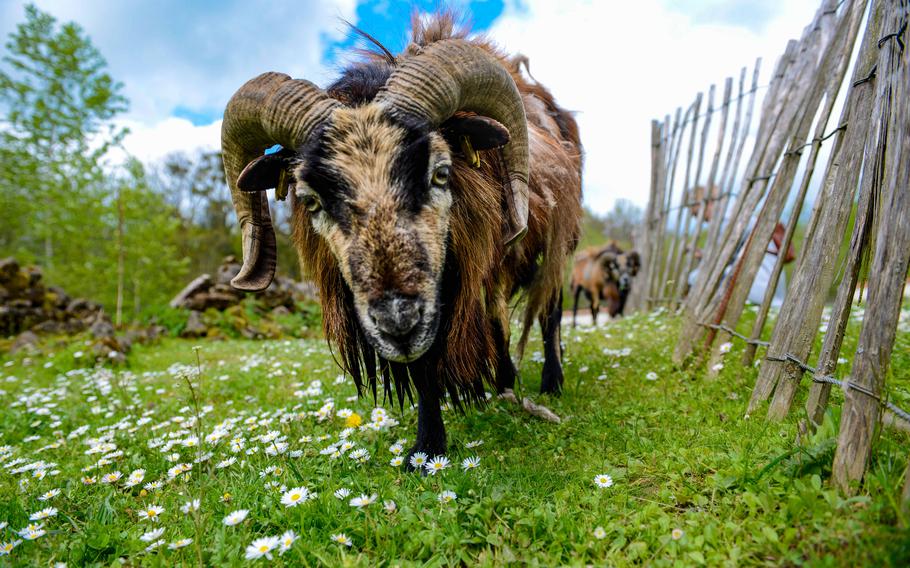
column 629, row 265
column 411, row 179
column 605, row 275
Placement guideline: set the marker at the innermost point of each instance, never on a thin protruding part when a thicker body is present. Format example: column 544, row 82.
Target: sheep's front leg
column 431, row 432
column 551, row 378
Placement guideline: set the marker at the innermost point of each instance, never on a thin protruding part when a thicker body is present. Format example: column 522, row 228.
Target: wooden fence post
column 638, row 297
column 816, row 80
column 888, row 268
column 801, row 313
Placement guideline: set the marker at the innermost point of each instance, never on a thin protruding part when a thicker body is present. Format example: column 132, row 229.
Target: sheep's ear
column 483, row 132
column 266, row 172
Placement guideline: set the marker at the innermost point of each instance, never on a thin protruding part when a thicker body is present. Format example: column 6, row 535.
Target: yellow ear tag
column 469, row 153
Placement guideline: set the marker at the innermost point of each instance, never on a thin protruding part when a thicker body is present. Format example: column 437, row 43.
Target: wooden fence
column 868, row 170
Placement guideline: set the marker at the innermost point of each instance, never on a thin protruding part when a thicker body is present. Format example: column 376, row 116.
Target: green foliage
column 60, row 206
column 694, row 481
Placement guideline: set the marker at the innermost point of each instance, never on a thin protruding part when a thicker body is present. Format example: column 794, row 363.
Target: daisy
column 651, row 376
column 236, row 517
column 287, row 540
column 190, row 506
column 89, row 480
column 152, row 535
column 7, row 547
column 600, row 533
column 226, row 463
column 49, row 495
column 31, row 533
column 151, row 513
column 296, row 496
column 437, row 464
column 470, row 463
column 677, row 534
column 726, row 347
column 342, row 539
column 111, row 477
column 389, row 506
column 363, row 500
column 396, row 461
column 396, row 449
column 342, row 493
column 43, row 514
column 418, row 459
column 153, row 485
column 603, row 480
column 262, row 547
column 180, row 543
column 135, row 478
column 447, row 497
column 154, row 545
column 474, row 444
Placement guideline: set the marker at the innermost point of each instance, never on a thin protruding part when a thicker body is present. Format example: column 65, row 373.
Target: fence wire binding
column 845, row 385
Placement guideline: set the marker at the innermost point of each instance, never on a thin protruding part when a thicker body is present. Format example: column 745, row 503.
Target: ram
column 428, row 191
column 605, row 275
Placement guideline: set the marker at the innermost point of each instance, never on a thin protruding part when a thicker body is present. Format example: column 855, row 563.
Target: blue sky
column 618, row 64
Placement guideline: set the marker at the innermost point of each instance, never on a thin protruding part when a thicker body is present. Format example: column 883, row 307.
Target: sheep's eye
column 440, row 176
column 312, row 203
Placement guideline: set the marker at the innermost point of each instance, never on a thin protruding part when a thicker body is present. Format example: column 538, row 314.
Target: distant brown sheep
column 605, row 275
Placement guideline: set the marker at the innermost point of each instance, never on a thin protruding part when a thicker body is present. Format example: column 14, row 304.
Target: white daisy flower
column 396, row 461
column 236, row 517
column 389, row 506
column 154, row 534
column 190, row 506
column 436, row 465
column 474, row 444
column 287, row 540
column 262, row 547
column 363, row 501
column 111, row 477
column 154, row 545
column 651, row 376
column 447, row 497
column 472, row 462
column 342, row 539
column 296, row 496
column 151, row 513
column 600, row 533
column 180, row 543
column 7, row 547
column 49, row 495
column 603, row 480
column 342, row 493
column 418, row 459
column 43, row 514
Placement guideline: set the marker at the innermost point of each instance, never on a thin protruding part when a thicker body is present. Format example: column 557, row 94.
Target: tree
column 59, row 102
column 100, row 232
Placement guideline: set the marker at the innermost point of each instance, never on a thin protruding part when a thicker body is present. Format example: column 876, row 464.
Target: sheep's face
column 377, row 191
column 610, row 267
column 628, row 265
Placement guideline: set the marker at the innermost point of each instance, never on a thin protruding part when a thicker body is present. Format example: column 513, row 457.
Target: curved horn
column 452, row 75
column 269, row 109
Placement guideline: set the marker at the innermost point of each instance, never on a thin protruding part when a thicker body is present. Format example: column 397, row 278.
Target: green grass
column 679, row 452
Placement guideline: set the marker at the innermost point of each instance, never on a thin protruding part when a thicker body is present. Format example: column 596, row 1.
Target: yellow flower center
column 263, row 548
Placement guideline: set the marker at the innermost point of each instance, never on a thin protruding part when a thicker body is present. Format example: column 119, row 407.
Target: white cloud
column 620, row 64
column 151, row 143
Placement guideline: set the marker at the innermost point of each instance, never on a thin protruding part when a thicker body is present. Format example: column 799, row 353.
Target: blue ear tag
column 273, row 149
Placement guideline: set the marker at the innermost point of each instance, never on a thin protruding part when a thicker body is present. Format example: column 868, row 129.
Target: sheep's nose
column 395, row 314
